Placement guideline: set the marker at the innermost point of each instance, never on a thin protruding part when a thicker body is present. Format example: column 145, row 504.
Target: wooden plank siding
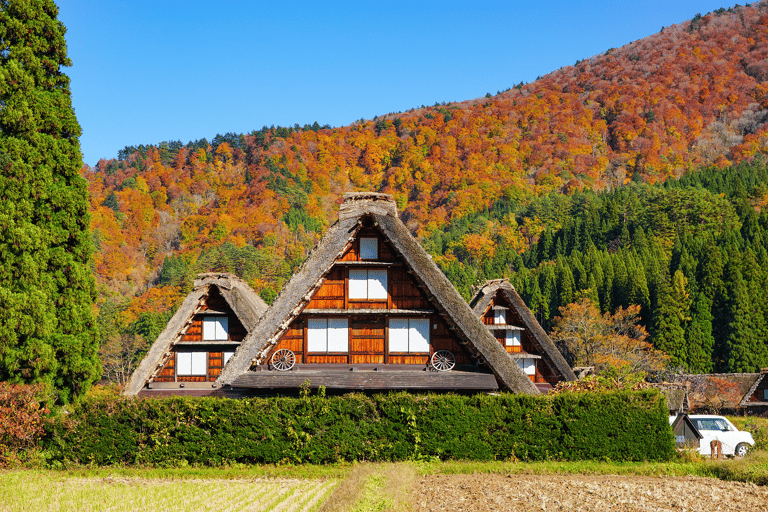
column 192, row 341
column 544, row 374
column 368, row 331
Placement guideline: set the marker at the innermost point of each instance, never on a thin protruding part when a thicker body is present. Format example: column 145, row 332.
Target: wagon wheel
column 283, row 360
column 443, row 361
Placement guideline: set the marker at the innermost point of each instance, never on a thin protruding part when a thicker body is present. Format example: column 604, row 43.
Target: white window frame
column 327, row 335
column 215, row 328
column 369, row 248
column 368, row 284
column 528, row 365
column 409, row 335
column 225, row 357
column 499, row 316
column 191, row 364
column 512, row 338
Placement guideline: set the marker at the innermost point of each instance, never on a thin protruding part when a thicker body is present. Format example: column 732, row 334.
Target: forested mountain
column 568, row 185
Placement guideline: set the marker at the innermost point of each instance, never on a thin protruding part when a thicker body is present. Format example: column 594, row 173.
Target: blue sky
column 150, row 71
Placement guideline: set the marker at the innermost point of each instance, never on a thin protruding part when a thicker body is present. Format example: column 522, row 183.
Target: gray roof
column 245, row 303
column 482, row 300
column 297, row 292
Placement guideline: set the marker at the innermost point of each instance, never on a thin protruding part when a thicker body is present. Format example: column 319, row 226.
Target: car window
column 711, row 424
column 707, row 424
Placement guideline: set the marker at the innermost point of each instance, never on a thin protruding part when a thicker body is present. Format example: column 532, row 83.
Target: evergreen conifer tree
column 47, row 331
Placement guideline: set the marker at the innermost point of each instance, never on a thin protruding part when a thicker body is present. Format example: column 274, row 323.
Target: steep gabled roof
column 715, row 391
column 298, row 291
column 245, row 303
column 482, row 301
column 745, row 401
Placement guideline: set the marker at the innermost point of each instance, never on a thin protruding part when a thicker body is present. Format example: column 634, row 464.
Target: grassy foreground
column 349, row 487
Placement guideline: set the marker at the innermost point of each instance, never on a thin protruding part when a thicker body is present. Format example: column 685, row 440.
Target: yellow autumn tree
column 614, row 344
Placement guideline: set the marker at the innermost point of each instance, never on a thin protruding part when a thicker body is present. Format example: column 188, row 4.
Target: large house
column 368, row 310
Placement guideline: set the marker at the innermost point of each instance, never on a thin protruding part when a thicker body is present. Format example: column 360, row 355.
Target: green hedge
column 620, row 425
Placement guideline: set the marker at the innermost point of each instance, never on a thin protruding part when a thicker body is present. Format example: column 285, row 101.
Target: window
column 369, row 248
column 367, row 284
column 527, row 365
column 191, row 363
column 765, row 394
column 499, row 316
column 327, row 335
column 409, row 335
column 225, row 357
column 215, row 328
column 512, row 338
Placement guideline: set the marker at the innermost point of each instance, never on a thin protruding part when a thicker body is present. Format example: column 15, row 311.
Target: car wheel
column 741, row 450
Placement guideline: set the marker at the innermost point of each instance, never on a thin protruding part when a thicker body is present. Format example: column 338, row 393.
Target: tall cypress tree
column 47, row 290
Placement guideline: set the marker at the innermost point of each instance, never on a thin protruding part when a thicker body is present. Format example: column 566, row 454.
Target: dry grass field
column 37, row 491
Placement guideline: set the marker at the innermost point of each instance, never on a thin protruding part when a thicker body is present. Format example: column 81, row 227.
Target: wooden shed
column 686, row 433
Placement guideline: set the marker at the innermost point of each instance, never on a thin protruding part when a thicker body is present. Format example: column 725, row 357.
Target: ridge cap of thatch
column 355, row 204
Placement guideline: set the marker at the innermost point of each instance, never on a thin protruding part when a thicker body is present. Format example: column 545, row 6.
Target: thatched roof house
column 727, row 392
column 504, row 313
column 201, row 336
column 370, row 310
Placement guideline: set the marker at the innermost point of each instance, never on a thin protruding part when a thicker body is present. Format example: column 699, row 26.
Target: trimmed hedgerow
column 622, row 425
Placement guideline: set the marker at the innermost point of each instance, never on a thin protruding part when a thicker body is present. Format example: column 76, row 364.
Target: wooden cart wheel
column 283, row 360
column 443, row 361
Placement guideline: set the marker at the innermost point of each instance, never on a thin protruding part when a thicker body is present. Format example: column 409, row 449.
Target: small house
column 512, row 324
column 686, row 433
column 200, row 338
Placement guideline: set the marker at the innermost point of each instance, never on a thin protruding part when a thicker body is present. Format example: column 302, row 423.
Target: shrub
column 621, row 425
column 22, row 417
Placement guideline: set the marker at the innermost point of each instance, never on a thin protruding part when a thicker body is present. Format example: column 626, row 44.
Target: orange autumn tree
column 614, row 344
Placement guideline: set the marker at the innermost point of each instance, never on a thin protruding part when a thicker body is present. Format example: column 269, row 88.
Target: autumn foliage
column 692, row 95
column 22, row 416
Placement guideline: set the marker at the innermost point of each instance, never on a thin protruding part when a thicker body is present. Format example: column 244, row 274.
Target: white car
column 735, row 442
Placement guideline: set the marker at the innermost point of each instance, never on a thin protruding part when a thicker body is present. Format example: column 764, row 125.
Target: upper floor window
column 367, row 284
column 528, row 365
column 327, row 335
column 512, row 339
column 215, row 328
column 191, row 363
column 369, row 248
column 499, row 316
column 409, row 335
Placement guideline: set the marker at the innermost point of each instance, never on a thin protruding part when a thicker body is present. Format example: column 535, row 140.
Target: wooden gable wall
column 192, row 341
column 367, row 329
column 544, row 372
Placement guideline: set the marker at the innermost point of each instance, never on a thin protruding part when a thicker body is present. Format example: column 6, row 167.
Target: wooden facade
column 506, row 325
column 395, row 299
column 204, row 358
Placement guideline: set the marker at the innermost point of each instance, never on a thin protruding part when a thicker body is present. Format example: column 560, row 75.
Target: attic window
column 369, row 248
column 215, row 328
column 499, row 316
column 191, row 363
column 409, row 335
column 765, row 394
column 367, row 284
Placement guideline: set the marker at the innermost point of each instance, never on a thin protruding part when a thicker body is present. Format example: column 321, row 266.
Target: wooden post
column 716, row 446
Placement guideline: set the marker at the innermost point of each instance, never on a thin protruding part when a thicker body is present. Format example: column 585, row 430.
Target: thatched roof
column 482, row 301
column 245, row 303
column 297, row 292
column 746, row 400
column 717, row 391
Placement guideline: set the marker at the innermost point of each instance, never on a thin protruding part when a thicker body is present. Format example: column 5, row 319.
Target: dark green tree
column 47, row 331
